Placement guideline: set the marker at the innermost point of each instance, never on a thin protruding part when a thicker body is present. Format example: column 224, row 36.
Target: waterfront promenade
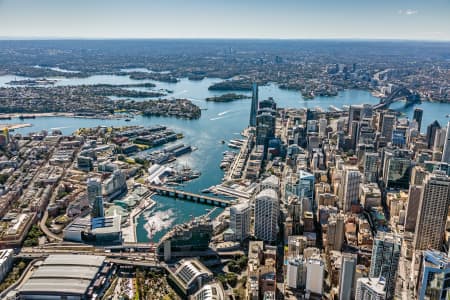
column 129, row 232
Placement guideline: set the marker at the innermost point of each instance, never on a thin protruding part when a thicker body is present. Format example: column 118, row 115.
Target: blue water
column 221, row 121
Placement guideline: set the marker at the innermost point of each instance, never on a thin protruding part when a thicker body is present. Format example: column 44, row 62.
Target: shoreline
column 26, row 116
column 131, row 231
column 15, row 126
column 38, row 115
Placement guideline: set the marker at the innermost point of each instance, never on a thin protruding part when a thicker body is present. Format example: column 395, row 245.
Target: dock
column 183, row 195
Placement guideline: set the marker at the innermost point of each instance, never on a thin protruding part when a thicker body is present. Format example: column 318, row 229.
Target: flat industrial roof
column 64, row 274
column 74, row 260
column 77, row 272
column 55, row 286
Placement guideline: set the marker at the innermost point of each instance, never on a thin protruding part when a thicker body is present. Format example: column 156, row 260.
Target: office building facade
column 254, row 106
column 347, row 280
column 433, row 211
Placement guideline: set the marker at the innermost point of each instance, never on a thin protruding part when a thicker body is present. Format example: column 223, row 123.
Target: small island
column 227, row 97
column 230, row 85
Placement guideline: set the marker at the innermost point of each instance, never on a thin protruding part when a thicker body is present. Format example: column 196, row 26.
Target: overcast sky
column 372, row 19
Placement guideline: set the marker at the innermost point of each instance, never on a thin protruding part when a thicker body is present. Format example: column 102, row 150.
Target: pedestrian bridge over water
column 183, row 195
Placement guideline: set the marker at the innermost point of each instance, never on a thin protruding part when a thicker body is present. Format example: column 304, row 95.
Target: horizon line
column 378, row 39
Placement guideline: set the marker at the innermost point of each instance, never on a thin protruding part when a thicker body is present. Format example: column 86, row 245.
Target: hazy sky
column 403, row 19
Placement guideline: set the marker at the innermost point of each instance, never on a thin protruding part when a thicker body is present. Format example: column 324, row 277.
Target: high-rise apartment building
column 94, row 194
column 266, row 215
column 433, row 209
column 240, row 221
column 97, row 208
column 385, row 259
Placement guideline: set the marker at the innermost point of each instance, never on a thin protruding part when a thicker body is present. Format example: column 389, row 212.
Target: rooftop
column 64, row 274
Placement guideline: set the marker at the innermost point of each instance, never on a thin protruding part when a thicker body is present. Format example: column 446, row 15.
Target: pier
column 183, row 195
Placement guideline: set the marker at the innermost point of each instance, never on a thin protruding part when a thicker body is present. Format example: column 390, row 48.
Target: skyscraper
column 240, row 221
column 265, row 128
column 418, row 174
column 446, row 152
column 354, row 137
column 385, row 258
column 414, row 194
column 370, row 166
column 94, row 194
column 296, row 273
column 352, row 178
column 433, row 209
column 266, row 215
column 97, row 208
column 431, row 133
column 305, row 189
column 354, row 114
column 388, row 126
column 314, row 276
column 347, row 276
column 254, row 106
column 396, row 167
column 418, row 114
column 434, row 276
column 335, row 232
column 323, row 127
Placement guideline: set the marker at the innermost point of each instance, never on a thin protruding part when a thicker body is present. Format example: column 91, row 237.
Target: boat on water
column 222, row 141
column 206, row 191
column 234, row 146
column 224, row 165
column 127, row 120
column 27, row 117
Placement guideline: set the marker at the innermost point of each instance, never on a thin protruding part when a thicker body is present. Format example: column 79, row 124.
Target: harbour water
column 219, row 121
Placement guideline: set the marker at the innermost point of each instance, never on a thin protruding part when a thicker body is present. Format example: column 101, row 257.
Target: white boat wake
column 224, row 112
column 218, row 118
